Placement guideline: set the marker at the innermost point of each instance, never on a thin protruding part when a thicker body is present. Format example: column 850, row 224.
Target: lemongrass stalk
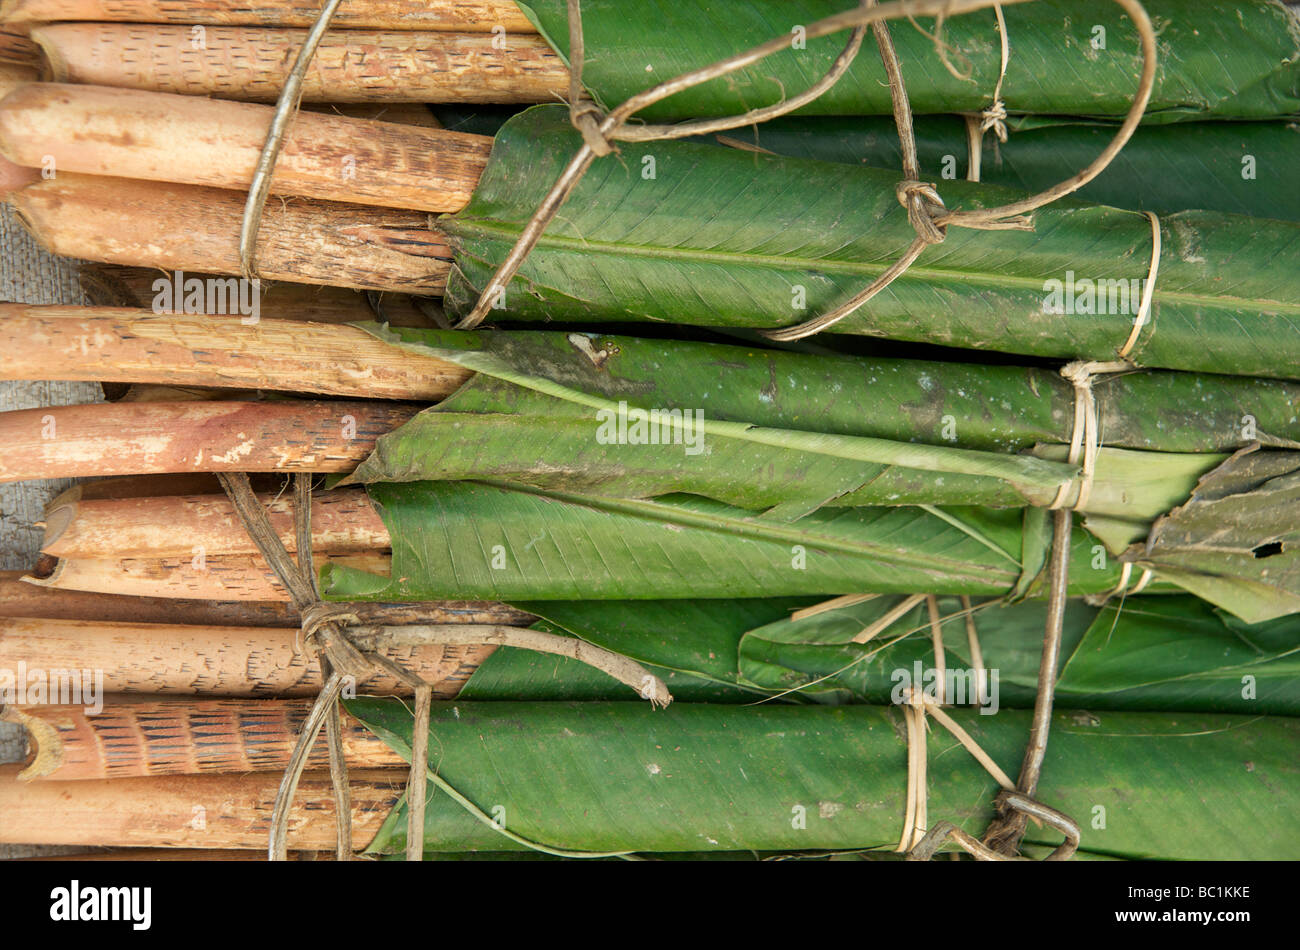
column 190, row 228
column 470, row 15
column 251, row 63
column 192, row 811
column 342, row 521
column 145, row 438
column 132, row 738
column 155, row 136
column 140, row 346
column 22, row 600
column 200, row 576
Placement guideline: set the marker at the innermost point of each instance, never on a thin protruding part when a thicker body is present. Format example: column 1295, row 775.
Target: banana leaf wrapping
column 1233, row 167
column 791, row 459
column 469, row 540
column 722, row 237
column 1152, row 654
column 700, row 777
column 1068, row 57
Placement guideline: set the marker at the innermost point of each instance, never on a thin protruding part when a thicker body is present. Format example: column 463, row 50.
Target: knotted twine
column 347, row 638
column 993, row 118
column 926, row 211
column 916, row 704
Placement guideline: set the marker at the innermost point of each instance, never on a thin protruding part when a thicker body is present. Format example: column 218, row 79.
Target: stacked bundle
column 862, row 534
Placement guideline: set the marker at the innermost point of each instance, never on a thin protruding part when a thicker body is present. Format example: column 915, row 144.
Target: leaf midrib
column 752, row 529
column 462, row 227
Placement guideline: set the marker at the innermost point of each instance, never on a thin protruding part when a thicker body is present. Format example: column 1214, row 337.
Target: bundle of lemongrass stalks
column 731, row 522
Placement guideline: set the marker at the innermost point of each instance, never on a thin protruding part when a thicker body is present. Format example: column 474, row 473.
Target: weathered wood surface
column 120, row 285
column 477, row 15
column 175, row 659
column 147, row 438
column 154, row 136
column 189, row 811
column 197, row 576
column 343, row 521
column 132, row 737
column 20, row 599
column 192, row 228
column 251, row 63
column 181, row 349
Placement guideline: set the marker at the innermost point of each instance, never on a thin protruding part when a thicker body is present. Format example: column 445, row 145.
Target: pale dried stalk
column 176, row 854
column 136, row 737
column 456, row 15
column 197, row 576
column 15, row 75
column 119, row 285
column 22, row 600
column 624, row 669
column 14, row 177
column 179, row 659
column 343, row 521
column 156, row 136
column 403, row 113
column 189, row 228
column 417, row 785
column 251, row 63
column 144, row 438
column 17, row 47
column 188, row 811
column 140, row 346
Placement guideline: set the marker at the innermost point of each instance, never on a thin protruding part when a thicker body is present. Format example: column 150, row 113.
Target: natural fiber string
column 348, row 653
column 926, row 211
column 869, row 633
column 1121, row 588
column 1148, row 289
column 599, row 130
column 915, row 819
column 994, row 117
column 1085, row 439
column 936, row 640
column 1012, row 801
column 286, row 107
column 835, row 603
column 976, row 654
column 916, row 706
column 1086, row 432
column 1004, row 834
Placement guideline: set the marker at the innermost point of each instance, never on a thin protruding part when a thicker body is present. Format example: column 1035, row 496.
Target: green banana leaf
column 1233, row 167
column 554, row 436
column 530, row 418
column 1077, row 57
column 1158, row 654
column 457, row 540
column 541, row 411
column 967, row 405
column 497, row 541
column 721, row 237
column 606, row 777
column 690, row 644
column 1173, row 654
